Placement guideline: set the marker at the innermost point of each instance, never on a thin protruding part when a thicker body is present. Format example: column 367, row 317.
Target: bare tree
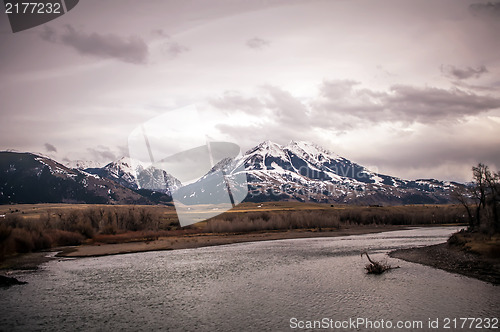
column 481, row 200
column 493, row 198
column 463, row 196
column 479, row 190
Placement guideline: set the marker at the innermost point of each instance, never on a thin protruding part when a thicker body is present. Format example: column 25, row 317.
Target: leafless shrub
column 21, row 240
column 334, row 218
column 375, row 267
column 5, row 231
column 262, row 221
column 109, row 223
column 65, row 238
column 71, row 227
column 138, row 236
column 402, row 215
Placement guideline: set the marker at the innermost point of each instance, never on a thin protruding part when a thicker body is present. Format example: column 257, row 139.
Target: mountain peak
column 268, row 144
column 266, row 147
column 309, row 148
column 303, row 144
column 82, row 164
column 121, row 161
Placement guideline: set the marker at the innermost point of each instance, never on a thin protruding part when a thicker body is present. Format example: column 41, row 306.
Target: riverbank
column 28, row 261
column 210, row 239
column 454, row 259
column 31, row 261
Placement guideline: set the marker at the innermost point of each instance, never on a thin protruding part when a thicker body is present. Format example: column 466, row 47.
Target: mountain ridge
column 304, row 171
column 136, row 175
column 33, row 178
column 299, row 170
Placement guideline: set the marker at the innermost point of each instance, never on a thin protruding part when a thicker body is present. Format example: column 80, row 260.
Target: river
column 259, row 286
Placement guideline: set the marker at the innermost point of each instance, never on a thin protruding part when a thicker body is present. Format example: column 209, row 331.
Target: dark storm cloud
column 257, row 43
column 132, row 49
column 430, row 104
column 50, row 148
column 402, row 103
column 432, row 148
column 490, row 9
column 462, row 74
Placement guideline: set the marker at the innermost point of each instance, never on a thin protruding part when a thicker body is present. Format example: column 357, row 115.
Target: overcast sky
column 407, row 88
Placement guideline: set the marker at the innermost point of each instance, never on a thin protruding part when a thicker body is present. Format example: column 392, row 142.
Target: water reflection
column 250, row 286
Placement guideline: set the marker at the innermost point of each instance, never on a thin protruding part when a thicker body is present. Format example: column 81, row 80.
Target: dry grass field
column 34, row 227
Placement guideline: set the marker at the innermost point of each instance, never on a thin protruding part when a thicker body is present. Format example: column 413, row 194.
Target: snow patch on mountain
column 134, row 174
column 83, row 164
column 307, row 172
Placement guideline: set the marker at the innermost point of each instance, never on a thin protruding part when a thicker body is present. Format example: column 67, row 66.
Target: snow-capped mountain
column 305, row 163
column 33, row 178
column 297, row 171
column 306, row 172
column 135, row 175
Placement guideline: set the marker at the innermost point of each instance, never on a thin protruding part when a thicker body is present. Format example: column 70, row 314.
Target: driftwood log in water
column 376, row 267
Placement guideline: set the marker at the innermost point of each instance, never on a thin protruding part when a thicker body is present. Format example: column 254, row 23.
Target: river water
column 272, row 286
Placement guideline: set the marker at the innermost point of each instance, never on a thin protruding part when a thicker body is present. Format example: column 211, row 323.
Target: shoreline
column 451, row 259
column 437, row 256
column 212, row 239
column 31, row 261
